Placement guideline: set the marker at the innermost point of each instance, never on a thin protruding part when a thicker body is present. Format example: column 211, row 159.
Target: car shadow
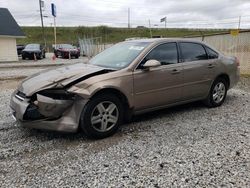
column 44, row 135
column 178, row 109
column 165, row 111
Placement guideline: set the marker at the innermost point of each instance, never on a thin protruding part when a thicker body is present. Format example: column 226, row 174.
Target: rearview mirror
column 151, row 63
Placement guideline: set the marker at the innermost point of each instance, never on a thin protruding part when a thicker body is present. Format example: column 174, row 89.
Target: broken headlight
column 52, row 103
column 57, row 94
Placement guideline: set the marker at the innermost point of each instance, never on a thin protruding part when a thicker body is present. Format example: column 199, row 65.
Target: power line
column 232, row 22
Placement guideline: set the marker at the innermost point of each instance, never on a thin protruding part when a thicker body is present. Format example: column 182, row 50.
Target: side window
column 164, row 53
column 192, row 52
column 211, row 53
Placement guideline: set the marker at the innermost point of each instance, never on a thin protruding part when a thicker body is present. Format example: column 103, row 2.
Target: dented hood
column 57, row 77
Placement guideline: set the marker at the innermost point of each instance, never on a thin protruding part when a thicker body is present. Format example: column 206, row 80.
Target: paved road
column 24, row 68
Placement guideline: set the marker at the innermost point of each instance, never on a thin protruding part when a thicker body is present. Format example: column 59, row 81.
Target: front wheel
column 218, row 93
column 101, row 116
column 40, row 56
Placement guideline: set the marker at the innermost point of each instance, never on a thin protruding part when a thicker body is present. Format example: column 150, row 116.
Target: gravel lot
column 185, row 146
column 47, row 60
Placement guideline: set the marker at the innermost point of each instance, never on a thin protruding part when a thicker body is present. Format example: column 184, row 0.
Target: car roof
column 35, row 44
column 64, row 44
column 159, row 40
column 162, row 40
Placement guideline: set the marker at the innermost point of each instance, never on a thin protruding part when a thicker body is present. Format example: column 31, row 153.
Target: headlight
column 58, row 94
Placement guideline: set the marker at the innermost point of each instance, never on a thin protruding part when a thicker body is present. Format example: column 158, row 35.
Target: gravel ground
column 20, row 72
column 185, row 146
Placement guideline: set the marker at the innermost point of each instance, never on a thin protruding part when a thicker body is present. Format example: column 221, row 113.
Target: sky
column 179, row 13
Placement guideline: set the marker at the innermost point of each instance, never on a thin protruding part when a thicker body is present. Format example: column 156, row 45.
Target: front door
column 161, row 85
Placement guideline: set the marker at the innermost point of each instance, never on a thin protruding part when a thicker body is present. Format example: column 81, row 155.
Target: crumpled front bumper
column 68, row 121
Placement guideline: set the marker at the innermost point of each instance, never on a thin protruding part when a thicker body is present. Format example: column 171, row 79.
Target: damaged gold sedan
column 129, row 78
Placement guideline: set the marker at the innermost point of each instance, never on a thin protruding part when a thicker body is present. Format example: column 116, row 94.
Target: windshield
column 119, row 55
column 66, row 46
column 32, row 46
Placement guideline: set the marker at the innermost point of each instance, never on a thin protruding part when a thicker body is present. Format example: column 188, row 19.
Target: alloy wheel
column 104, row 116
column 219, row 92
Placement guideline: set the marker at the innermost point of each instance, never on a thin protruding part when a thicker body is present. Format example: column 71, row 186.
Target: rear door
column 197, row 70
column 160, row 85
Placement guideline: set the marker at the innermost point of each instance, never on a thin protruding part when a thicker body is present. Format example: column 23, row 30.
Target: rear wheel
column 218, row 93
column 101, row 116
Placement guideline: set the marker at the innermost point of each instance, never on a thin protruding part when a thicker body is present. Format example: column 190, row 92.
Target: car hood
column 31, row 50
column 59, row 77
column 68, row 50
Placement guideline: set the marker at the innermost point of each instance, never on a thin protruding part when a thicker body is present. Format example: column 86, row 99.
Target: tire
column 219, row 86
column 76, row 56
column 44, row 56
column 40, row 56
column 96, row 122
column 63, row 55
column 23, row 57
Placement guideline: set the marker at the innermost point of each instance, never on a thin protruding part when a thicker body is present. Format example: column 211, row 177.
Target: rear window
column 192, row 52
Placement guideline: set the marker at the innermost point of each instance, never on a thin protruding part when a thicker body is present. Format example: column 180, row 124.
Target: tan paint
column 145, row 90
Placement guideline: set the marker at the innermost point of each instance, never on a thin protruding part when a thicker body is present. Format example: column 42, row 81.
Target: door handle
column 175, row 71
column 211, row 66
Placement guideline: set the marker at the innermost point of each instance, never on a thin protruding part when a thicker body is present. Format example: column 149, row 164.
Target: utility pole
column 165, row 22
column 128, row 17
column 149, row 25
column 53, row 11
column 41, row 3
column 239, row 22
column 55, row 30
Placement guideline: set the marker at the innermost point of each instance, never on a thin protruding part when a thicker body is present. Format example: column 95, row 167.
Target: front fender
column 89, row 92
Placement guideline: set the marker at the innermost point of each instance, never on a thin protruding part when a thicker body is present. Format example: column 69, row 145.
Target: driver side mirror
column 151, row 63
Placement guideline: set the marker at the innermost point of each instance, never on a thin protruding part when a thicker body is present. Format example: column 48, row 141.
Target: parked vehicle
column 32, row 51
column 66, row 51
column 20, row 48
column 126, row 79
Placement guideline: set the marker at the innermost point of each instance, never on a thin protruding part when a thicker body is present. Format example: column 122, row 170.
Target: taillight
column 237, row 61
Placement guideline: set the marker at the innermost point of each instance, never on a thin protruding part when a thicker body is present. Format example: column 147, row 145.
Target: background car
column 33, row 50
column 66, row 51
column 20, row 48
